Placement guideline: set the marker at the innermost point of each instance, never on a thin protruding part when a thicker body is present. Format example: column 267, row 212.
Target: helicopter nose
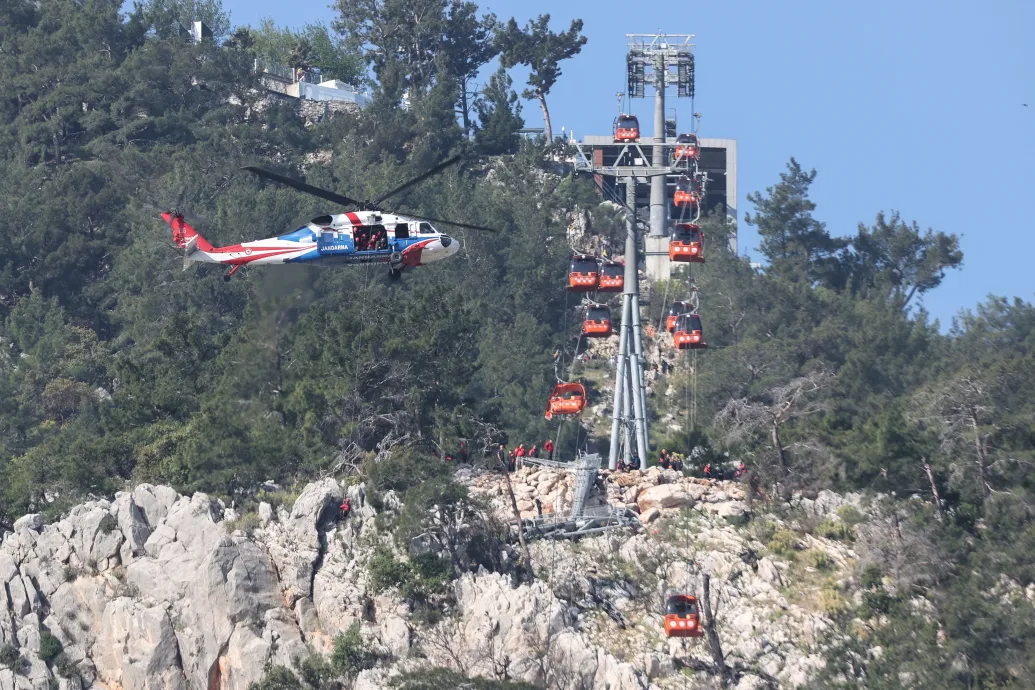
column 449, row 245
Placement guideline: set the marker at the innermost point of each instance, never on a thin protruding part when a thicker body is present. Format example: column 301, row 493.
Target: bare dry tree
column 555, row 663
column 711, row 632
column 448, row 639
column 962, row 412
column 520, row 527
column 908, row 550
column 743, row 418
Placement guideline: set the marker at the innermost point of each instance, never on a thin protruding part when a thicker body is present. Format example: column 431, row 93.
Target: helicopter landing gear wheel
column 395, row 265
column 226, row 278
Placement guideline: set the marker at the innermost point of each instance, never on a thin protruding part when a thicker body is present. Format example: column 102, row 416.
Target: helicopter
column 369, row 235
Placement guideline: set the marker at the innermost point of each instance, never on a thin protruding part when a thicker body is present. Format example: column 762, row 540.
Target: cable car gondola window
column 613, row 270
column 679, row 606
column 583, row 264
column 598, row 314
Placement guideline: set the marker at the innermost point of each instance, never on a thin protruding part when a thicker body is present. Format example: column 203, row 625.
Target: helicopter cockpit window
column 402, row 231
column 426, row 229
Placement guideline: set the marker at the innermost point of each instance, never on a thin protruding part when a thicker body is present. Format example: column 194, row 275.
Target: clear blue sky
column 912, row 106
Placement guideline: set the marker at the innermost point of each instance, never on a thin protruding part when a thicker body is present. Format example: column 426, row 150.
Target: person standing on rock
column 708, row 471
column 548, row 447
column 501, row 458
column 533, row 452
column 511, row 462
column 663, row 459
column 344, row 510
column 520, row 455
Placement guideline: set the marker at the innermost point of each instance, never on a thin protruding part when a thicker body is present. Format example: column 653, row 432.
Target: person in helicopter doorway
column 362, row 238
column 344, row 510
column 379, row 238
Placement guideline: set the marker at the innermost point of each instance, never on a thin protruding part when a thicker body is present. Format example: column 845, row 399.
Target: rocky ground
column 158, row 590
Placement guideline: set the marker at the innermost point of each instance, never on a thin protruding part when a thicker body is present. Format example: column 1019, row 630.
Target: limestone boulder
column 133, row 524
column 32, row 521
column 298, row 541
column 137, row 648
column 664, row 497
column 154, row 502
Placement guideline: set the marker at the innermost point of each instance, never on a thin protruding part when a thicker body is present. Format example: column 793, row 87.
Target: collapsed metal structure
column 580, row 521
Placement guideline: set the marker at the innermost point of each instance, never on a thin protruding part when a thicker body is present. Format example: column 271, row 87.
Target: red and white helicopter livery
column 366, row 236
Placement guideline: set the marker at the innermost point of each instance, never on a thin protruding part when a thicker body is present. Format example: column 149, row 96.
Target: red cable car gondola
column 689, row 334
column 612, row 276
column 688, row 191
column 676, row 310
column 566, row 399
column 627, row 128
column 597, row 321
column 687, row 243
column 687, row 147
column 583, row 273
column 682, row 618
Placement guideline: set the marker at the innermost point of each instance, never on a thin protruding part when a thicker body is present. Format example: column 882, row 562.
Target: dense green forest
column 824, row 371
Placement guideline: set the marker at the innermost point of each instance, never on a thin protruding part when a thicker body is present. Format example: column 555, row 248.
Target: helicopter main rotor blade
column 417, row 180
column 468, row 226
column 302, row 186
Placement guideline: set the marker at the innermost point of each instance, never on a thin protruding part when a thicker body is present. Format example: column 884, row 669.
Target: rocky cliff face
column 157, row 590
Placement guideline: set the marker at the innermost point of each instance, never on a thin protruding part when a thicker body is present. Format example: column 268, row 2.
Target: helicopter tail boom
column 186, row 237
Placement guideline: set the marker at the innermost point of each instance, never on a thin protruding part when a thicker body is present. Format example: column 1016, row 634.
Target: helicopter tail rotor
column 185, row 237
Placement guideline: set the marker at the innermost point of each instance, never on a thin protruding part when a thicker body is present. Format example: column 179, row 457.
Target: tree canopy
column 824, row 370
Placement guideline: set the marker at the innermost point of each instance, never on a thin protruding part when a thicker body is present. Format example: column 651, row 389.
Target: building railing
column 296, row 75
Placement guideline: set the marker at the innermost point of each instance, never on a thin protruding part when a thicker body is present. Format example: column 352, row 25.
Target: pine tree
column 499, row 115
